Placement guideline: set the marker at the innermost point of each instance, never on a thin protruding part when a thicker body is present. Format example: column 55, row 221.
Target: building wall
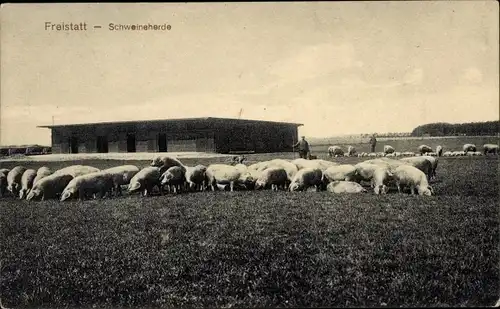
column 113, row 137
column 141, row 146
column 205, row 144
column 146, row 138
column 193, row 141
column 181, row 145
column 60, row 141
column 153, row 140
column 56, row 143
column 264, row 139
column 257, row 138
column 121, row 144
column 114, row 147
column 215, row 138
column 56, row 148
column 86, row 140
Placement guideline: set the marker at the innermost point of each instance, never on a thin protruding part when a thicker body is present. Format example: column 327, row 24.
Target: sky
column 336, row 67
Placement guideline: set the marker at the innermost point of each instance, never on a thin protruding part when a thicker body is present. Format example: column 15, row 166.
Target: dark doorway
column 131, row 142
column 73, row 144
column 162, row 142
column 102, row 144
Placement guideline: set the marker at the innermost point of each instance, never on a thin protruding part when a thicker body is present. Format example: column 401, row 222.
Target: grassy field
column 265, row 249
column 448, row 143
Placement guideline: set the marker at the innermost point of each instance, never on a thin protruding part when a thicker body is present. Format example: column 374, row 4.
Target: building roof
column 180, row 120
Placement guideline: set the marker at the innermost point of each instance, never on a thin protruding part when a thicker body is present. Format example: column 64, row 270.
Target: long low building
column 217, row 135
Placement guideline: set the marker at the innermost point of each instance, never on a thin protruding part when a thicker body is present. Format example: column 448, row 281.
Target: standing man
column 303, row 147
column 373, row 142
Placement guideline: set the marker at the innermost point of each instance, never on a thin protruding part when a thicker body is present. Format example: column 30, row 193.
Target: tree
column 447, row 129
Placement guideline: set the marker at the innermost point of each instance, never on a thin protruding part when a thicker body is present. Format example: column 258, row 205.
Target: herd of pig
column 171, row 175
column 389, row 151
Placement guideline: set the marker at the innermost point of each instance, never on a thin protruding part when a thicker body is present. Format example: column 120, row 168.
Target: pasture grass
column 261, row 248
column 405, row 144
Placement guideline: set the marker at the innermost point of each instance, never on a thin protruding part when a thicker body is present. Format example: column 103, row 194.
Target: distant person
column 303, row 147
column 373, row 142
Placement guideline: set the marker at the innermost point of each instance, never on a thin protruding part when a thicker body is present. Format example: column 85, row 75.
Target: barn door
column 102, row 144
column 131, row 142
column 162, row 142
column 73, row 144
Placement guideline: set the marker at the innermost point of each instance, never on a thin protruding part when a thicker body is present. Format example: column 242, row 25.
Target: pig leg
column 81, row 195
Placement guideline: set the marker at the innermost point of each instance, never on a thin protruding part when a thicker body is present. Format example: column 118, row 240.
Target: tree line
column 458, row 129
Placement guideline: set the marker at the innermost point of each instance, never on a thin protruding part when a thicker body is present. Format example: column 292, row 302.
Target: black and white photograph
column 292, row 154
